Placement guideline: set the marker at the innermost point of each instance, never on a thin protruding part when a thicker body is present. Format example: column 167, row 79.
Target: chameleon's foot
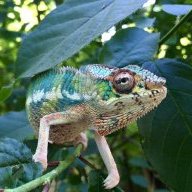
column 112, row 180
column 41, row 159
column 82, row 138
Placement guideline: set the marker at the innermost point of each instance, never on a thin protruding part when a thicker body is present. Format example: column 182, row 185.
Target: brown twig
column 53, row 163
column 87, row 162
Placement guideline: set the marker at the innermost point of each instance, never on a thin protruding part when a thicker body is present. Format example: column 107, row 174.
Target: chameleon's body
column 63, row 103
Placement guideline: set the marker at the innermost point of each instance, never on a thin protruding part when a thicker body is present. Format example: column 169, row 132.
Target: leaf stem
column 175, row 27
column 49, row 176
column 87, row 162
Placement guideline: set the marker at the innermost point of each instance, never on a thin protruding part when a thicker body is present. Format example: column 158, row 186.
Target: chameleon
column 63, row 103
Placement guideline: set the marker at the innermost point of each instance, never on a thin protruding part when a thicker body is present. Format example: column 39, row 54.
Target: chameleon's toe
column 41, row 159
column 112, row 180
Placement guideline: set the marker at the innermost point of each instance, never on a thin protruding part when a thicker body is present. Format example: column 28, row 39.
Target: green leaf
column 91, row 148
column 69, row 28
column 15, row 125
column 162, row 190
column 62, row 186
column 167, row 131
column 9, row 34
column 130, row 46
column 5, row 92
column 176, row 9
column 16, row 165
column 6, row 180
column 95, row 180
column 139, row 162
column 140, row 180
column 117, row 189
column 143, row 22
column 74, row 179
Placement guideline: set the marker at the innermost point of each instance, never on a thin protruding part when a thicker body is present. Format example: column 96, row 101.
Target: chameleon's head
column 135, row 89
column 128, row 93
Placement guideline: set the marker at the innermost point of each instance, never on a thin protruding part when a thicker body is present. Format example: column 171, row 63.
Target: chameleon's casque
column 109, row 97
column 64, row 102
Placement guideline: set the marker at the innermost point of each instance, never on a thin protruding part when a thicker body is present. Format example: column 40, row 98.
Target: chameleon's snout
column 155, row 82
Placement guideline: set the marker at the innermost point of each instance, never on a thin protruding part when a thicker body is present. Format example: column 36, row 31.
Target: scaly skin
column 63, row 103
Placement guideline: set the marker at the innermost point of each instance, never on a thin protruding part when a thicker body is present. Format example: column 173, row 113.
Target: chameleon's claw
column 82, row 138
column 112, row 180
column 41, row 159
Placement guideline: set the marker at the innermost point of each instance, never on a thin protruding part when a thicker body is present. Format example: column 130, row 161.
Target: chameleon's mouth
column 150, row 103
column 156, row 97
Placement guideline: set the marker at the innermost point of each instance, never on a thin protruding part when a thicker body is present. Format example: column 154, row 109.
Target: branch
column 87, row 162
column 175, row 27
column 45, row 179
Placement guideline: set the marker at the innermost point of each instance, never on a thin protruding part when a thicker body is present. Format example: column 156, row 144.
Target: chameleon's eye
column 123, row 82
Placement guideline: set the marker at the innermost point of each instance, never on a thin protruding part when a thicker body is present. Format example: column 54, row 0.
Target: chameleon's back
column 54, row 91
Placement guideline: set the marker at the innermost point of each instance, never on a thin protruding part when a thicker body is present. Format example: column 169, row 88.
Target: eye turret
column 123, row 82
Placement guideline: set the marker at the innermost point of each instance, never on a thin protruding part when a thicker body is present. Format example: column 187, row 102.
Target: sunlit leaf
column 130, row 46
column 5, row 92
column 144, row 22
column 69, row 28
column 176, row 9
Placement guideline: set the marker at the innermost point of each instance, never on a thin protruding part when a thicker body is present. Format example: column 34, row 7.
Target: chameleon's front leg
column 42, row 145
column 113, row 176
column 45, row 123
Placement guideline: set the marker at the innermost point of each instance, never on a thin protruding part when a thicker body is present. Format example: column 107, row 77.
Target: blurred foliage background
column 18, row 17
